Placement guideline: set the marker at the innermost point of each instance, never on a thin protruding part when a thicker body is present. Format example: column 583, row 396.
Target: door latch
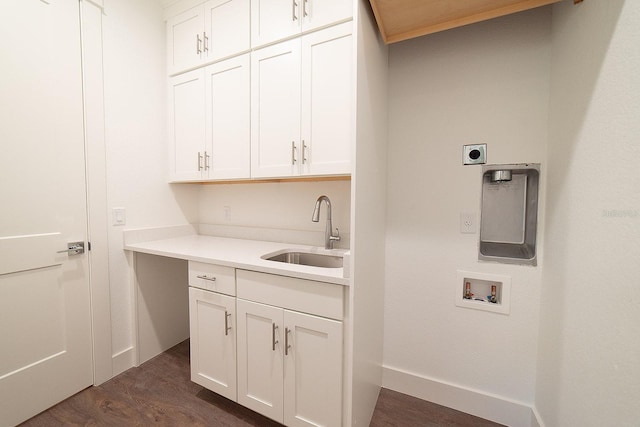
column 74, row 248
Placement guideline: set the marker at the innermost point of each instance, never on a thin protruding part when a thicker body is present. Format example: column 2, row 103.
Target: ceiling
column 405, row 19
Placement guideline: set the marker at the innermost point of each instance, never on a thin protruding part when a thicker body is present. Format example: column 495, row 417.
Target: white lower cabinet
column 290, row 362
column 212, row 325
column 273, row 344
column 312, row 370
column 260, row 359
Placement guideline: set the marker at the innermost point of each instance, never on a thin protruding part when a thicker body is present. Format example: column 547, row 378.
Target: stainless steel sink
column 307, row 258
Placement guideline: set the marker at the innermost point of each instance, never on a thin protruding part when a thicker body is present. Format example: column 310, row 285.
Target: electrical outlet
column 468, row 223
column 227, row 213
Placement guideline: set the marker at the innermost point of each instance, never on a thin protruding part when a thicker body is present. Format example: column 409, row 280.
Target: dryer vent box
column 475, row 154
column 509, row 213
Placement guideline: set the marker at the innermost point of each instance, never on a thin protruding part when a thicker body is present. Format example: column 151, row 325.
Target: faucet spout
column 329, row 237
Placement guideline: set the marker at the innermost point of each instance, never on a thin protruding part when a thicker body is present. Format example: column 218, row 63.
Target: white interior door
column 45, row 324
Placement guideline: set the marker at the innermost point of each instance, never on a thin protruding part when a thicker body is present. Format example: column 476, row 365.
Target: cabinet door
column 327, row 94
column 213, row 341
column 226, row 28
column 260, row 358
column 273, row 20
column 184, row 40
column 313, row 370
column 228, row 118
column 275, row 110
column 320, row 13
column 186, row 123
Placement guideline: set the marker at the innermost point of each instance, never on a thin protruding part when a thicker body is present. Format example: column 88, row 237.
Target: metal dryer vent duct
column 501, row 175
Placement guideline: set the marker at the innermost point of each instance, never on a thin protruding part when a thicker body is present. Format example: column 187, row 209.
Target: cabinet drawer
column 321, row 299
column 212, row 277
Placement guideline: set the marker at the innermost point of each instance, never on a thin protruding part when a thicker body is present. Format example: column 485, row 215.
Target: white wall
column 589, row 370
column 285, row 206
column 484, row 83
column 134, row 82
column 364, row 328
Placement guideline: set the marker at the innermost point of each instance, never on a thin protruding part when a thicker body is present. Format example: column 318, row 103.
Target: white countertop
column 240, row 253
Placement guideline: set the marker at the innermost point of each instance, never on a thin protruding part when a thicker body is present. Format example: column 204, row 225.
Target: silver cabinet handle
column 206, row 161
column 286, row 341
column 226, row 322
column 293, row 153
column 199, row 161
column 198, row 44
column 293, row 10
column 304, row 8
column 304, row 152
column 73, row 248
column 206, row 42
column 205, row 277
column 273, row 336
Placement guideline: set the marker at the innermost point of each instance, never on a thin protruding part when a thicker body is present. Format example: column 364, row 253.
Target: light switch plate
column 119, row 216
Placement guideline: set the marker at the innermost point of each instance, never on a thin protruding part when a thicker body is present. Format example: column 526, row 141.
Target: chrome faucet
column 329, row 237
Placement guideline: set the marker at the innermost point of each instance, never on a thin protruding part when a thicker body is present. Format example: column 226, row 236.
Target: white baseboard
column 123, row 360
column 475, row 402
column 536, row 419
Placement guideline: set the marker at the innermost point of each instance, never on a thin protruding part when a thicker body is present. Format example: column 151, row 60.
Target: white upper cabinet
column 275, row 110
column 186, row 126
column 282, row 110
column 184, row 40
column 206, row 33
column 273, row 20
column 209, row 122
column 327, row 109
column 302, row 105
column 228, row 118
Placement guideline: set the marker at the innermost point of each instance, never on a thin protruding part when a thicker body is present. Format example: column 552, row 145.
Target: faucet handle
column 335, row 237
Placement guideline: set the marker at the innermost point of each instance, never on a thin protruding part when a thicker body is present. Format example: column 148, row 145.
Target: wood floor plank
column 160, row 393
column 400, row 410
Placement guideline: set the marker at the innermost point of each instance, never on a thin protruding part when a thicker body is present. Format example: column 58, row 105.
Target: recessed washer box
column 480, row 286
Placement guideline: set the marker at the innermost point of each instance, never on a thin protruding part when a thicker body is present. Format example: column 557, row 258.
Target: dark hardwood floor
column 159, row 392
